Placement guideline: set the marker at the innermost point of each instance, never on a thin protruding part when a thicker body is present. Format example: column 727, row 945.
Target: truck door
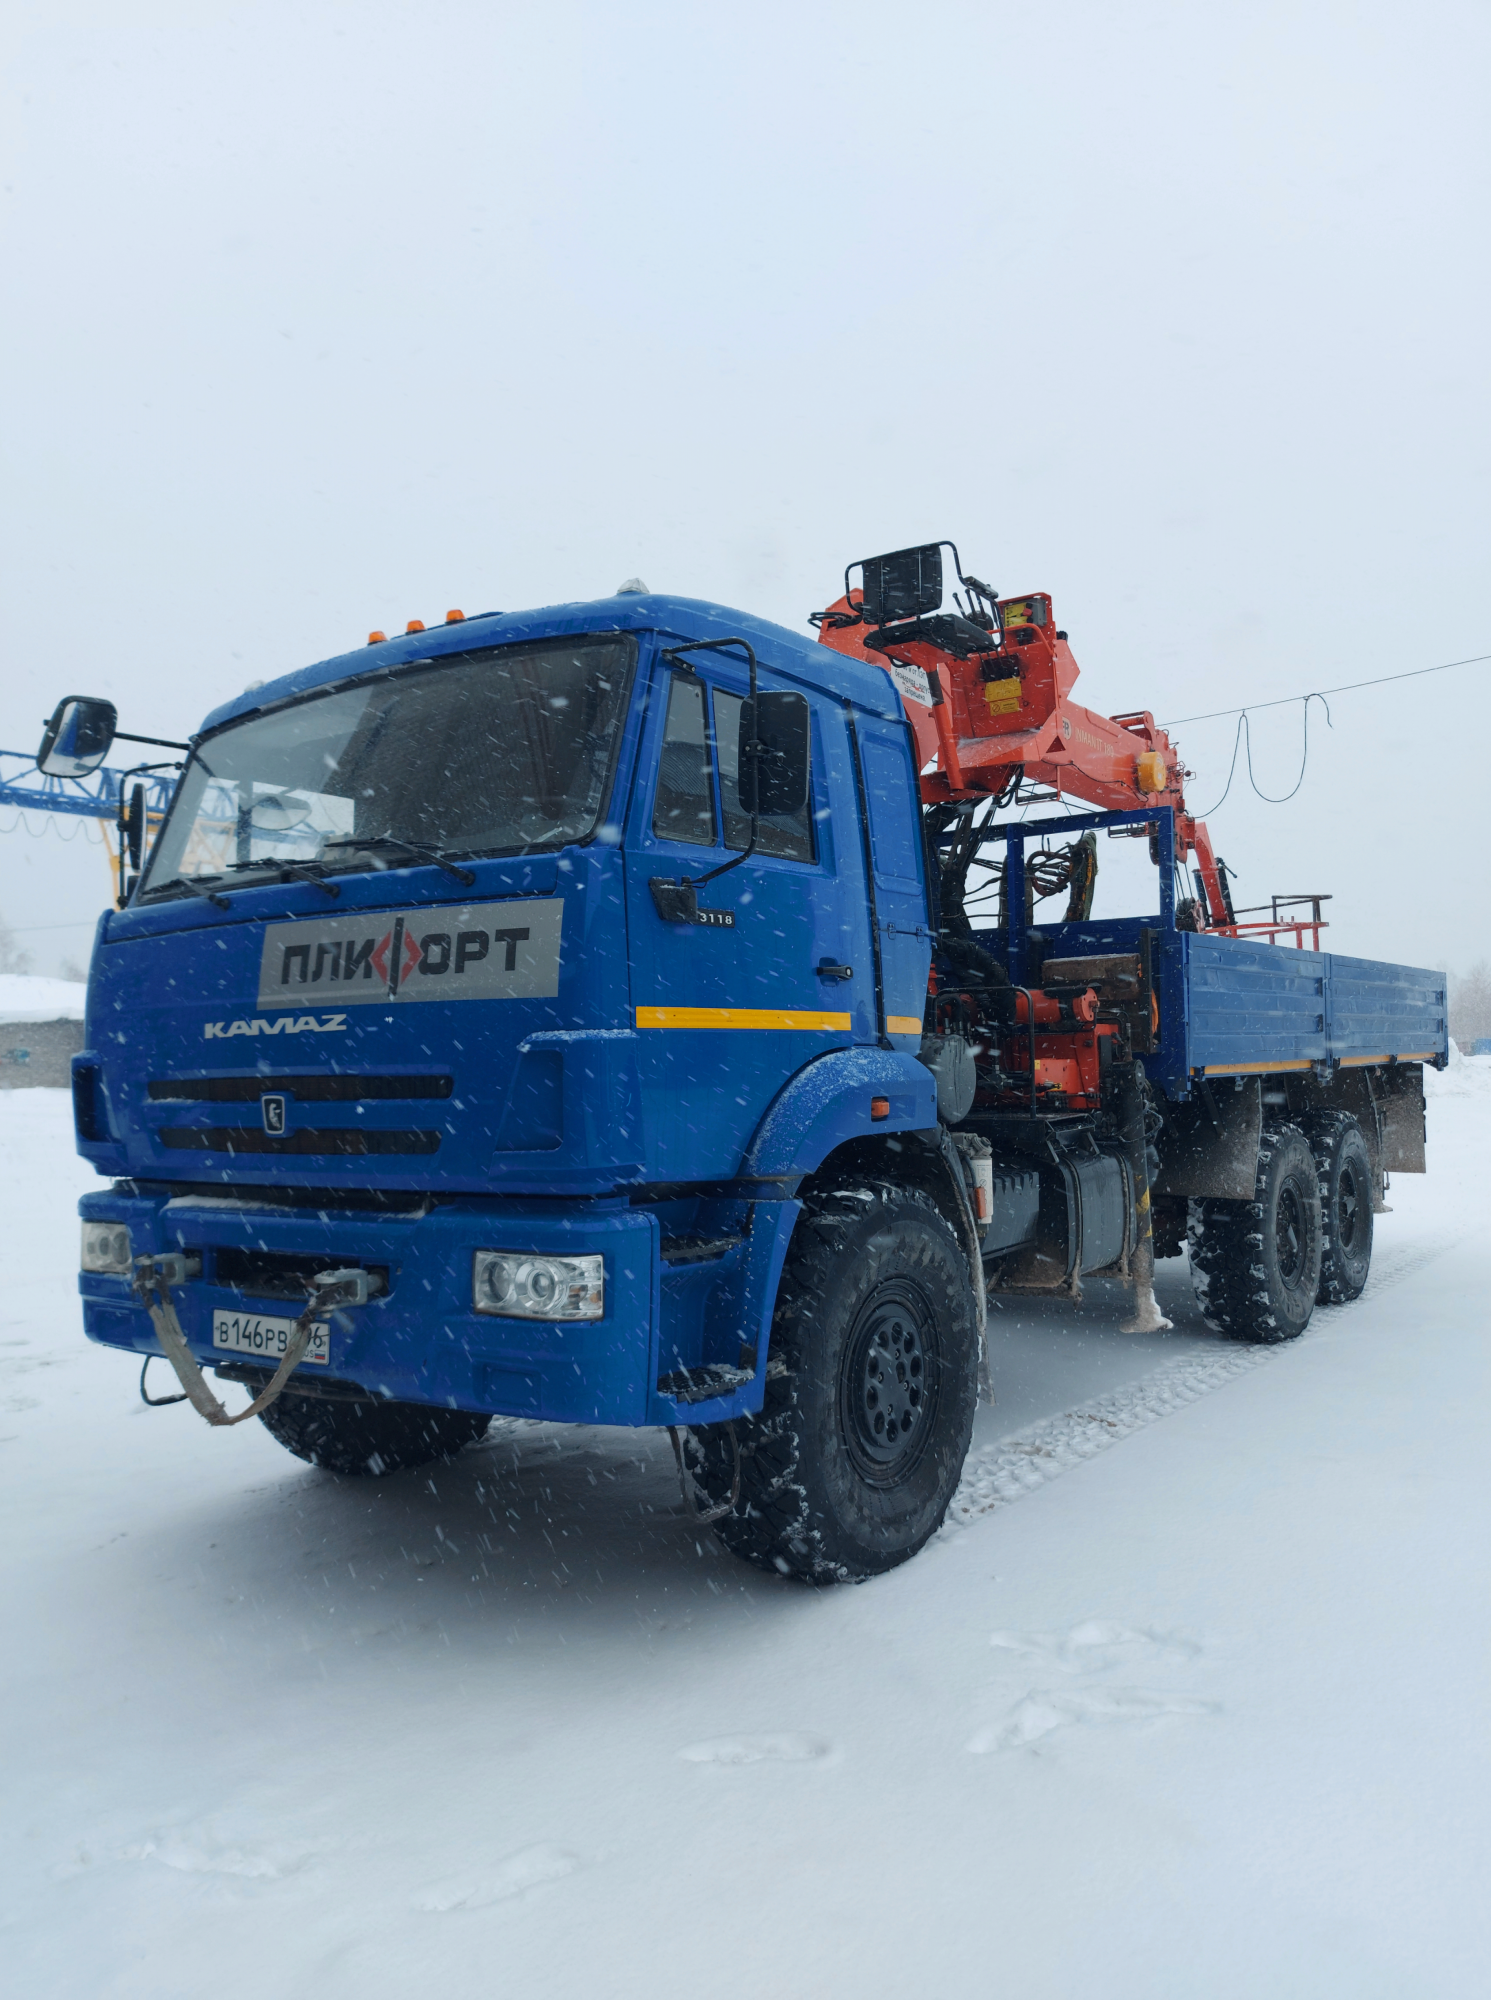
column 893, row 798
column 727, row 1009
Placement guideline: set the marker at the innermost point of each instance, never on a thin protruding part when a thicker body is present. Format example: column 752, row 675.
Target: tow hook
column 175, row 1267
column 355, row 1285
column 154, row 1277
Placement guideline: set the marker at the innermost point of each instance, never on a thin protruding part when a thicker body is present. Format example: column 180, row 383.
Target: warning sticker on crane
column 1022, row 611
column 912, row 682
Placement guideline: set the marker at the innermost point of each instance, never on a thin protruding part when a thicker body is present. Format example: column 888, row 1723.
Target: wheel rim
column 1291, row 1234
column 888, row 1384
column 1349, row 1208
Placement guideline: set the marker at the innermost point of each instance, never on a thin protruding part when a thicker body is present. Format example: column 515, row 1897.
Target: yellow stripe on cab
column 740, row 1017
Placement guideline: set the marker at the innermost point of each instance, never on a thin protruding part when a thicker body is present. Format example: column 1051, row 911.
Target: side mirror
column 78, row 737
column 780, row 778
column 905, row 584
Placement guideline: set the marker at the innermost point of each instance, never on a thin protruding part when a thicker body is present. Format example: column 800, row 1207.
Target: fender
column 831, row 1100
column 824, row 1104
column 752, row 1300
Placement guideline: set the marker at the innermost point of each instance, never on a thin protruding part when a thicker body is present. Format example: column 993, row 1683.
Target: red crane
column 987, row 690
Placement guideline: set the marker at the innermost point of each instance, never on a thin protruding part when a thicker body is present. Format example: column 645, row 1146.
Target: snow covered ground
column 1201, row 1714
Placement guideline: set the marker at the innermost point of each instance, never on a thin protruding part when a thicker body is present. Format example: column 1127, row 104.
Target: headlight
column 106, row 1248
column 521, row 1286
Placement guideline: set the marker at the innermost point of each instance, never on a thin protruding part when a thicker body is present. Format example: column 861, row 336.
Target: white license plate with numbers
column 254, row 1333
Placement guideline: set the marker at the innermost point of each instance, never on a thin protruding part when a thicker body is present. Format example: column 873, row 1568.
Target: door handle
column 826, row 969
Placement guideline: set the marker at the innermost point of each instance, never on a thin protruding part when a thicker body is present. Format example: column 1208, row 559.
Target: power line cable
column 1245, row 733
column 1348, row 687
column 83, row 924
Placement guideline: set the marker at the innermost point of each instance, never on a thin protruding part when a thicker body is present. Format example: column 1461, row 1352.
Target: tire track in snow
column 1401, row 1264
column 1016, row 1465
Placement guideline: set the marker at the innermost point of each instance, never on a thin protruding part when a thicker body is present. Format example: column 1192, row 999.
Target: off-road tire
column 369, row 1438
column 870, row 1394
column 1255, row 1264
column 1345, row 1169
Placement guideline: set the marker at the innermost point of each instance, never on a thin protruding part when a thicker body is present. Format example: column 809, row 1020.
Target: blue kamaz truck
column 590, row 1014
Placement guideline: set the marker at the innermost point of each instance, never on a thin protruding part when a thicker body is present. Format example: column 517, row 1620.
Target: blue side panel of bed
column 1254, row 1003
column 1392, row 1010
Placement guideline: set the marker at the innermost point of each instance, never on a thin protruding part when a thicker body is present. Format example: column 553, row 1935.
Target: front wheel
column 369, row 1437
column 870, row 1394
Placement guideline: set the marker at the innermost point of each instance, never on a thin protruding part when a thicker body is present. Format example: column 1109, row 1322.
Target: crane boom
column 988, row 695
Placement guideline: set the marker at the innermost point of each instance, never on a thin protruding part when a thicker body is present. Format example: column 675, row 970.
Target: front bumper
column 422, row 1341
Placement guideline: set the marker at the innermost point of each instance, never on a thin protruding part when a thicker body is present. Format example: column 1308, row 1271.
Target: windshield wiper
column 195, row 888
column 300, row 871
column 414, row 847
column 306, row 872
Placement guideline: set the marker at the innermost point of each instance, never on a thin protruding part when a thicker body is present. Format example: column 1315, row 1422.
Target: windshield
column 481, row 753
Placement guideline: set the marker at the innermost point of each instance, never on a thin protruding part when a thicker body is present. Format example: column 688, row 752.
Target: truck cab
column 394, row 991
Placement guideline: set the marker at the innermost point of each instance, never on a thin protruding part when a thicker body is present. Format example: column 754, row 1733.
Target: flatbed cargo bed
column 1231, row 1006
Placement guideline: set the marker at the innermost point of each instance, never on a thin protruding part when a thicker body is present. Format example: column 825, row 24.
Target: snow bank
column 1467, row 1076
column 26, row 996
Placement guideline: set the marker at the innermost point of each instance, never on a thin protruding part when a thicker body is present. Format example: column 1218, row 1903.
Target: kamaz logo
column 286, row 1024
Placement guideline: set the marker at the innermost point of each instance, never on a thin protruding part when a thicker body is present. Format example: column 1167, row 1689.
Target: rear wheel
column 371, row 1437
column 1256, row 1264
column 870, row 1394
column 1345, row 1169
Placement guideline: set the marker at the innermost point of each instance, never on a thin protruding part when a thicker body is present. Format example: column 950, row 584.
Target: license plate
column 254, row 1333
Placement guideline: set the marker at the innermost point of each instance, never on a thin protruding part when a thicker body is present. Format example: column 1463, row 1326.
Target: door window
column 684, row 806
column 895, row 817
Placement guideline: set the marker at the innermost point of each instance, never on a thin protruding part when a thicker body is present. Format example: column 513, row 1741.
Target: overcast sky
column 319, row 318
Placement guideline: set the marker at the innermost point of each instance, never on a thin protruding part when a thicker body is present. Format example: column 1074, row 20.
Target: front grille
column 247, row 1139
column 337, row 1088
column 274, row 1274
